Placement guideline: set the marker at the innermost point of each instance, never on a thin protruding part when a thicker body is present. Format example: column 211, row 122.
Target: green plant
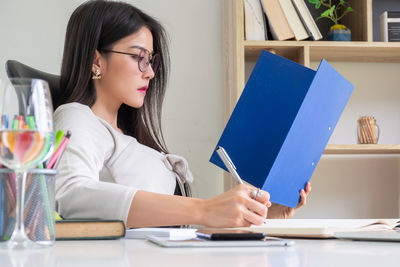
column 334, row 12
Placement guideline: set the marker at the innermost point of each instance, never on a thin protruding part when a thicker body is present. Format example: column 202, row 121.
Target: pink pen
column 59, row 150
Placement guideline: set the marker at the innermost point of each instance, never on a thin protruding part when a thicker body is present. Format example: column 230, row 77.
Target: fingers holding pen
column 254, row 218
column 261, row 196
column 236, row 208
column 257, row 204
column 255, row 194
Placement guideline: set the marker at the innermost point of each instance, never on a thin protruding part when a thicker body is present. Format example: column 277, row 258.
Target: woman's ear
column 97, row 62
column 97, row 66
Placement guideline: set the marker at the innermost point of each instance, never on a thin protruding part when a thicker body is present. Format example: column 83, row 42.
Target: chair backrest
column 16, row 69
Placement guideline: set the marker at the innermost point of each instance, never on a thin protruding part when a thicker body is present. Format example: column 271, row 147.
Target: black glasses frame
column 153, row 60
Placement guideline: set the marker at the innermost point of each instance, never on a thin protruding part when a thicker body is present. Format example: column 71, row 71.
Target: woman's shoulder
column 74, row 111
column 75, row 115
column 73, row 108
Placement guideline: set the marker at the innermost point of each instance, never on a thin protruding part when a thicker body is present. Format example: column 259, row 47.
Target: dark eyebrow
column 140, row 47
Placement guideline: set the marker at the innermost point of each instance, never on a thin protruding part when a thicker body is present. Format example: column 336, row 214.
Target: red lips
column 143, row 89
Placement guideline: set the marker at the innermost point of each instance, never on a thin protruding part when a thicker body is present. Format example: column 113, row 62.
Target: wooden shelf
column 331, row 51
column 362, row 149
column 238, row 52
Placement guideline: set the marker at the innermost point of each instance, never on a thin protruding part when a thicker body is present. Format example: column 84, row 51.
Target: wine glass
column 26, row 139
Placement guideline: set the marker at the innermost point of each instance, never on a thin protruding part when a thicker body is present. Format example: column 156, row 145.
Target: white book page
column 325, row 223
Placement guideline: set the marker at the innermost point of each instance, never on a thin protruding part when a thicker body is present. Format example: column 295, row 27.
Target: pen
column 55, row 165
column 30, row 120
column 59, row 137
column 4, row 122
column 59, row 150
column 14, row 125
column 228, row 163
column 20, row 122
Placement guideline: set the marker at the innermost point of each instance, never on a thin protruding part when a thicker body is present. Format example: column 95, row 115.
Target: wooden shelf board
column 331, row 51
column 286, row 49
column 362, row 149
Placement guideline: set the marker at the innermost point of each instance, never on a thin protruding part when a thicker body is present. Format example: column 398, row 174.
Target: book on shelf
column 278, row 24
column 390, row 26
column 72, row 229
column 268, row 34
column 293, row 19
column 307, row 19
column 254, row 21
column 320, row 228
column 281, row 124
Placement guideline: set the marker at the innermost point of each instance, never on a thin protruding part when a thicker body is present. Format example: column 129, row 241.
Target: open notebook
column 321, row 228
column 389, row 236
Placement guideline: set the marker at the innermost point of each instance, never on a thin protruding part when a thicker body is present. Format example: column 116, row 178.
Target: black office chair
column 16, row 69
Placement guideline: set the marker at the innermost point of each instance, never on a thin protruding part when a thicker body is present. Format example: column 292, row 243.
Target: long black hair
column 97, row 25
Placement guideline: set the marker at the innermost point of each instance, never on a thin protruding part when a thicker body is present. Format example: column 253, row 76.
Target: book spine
column 383, row 22
column 390, row 26
column 278, row 26
column 295, row 23
column 312, row 27
column 308, row 30
column 265, row 19
column 393, row 31
column 393, row 14
column 254, row 21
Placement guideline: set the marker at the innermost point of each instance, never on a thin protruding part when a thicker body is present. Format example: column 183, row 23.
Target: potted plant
column 335, row 12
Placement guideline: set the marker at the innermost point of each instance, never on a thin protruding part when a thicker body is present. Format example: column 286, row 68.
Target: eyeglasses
column 144, row 59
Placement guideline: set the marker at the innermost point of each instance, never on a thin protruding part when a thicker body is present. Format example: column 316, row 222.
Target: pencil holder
column 39, row 205
column 367, row 130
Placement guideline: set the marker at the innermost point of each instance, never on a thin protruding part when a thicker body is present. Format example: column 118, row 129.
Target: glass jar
column 367, row 130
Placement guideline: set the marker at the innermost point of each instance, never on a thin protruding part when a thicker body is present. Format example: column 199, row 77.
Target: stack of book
column 284, row 19
column 390, row 26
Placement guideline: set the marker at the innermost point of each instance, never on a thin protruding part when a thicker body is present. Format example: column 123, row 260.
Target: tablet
column 198, row 242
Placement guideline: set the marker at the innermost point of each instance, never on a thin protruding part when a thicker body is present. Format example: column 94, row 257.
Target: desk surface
column 126, row 253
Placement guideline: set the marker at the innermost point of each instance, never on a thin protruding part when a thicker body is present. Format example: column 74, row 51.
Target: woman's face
column 121, row 79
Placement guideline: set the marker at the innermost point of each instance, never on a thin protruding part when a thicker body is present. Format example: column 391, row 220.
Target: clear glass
column 367, row 130
column 26, row 139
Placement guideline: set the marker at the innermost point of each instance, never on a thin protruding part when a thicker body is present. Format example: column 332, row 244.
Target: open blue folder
column 281, row 124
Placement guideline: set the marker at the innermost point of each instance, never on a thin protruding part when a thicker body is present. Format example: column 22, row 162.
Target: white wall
column 33, row 33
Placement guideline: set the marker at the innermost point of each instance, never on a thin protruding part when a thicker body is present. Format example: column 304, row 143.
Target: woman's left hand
column 277, row 211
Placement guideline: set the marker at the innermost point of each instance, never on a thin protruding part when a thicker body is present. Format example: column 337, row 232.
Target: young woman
column 116, row 166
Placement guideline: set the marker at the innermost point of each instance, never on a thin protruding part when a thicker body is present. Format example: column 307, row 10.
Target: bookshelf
column 238, row 54
column 362, row 149
column 306, row 51
column 238, row 51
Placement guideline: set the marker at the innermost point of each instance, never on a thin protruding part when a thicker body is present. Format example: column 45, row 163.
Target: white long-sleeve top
column 101, row 168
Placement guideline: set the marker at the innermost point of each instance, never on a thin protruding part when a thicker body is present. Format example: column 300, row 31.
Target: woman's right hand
column 236, row 208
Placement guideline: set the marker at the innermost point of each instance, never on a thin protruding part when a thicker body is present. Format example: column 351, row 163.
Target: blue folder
column 282, row 123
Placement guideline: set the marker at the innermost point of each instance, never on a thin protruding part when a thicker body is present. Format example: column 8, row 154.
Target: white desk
column 126, row 253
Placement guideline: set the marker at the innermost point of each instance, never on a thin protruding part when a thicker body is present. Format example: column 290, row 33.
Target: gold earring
column 96, row 75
